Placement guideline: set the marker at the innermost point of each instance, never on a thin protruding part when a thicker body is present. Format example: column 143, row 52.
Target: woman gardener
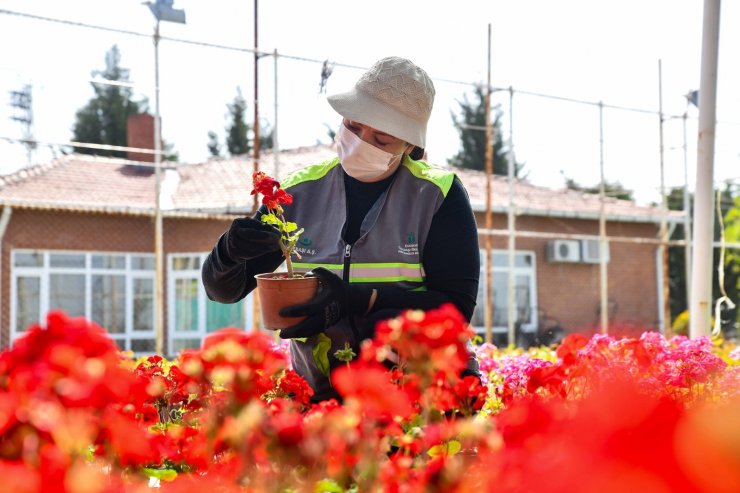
column 387, row 231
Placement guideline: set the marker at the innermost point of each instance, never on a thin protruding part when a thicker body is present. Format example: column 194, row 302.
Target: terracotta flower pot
column 277, row 290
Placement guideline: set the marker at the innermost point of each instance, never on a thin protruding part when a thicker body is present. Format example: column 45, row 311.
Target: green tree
column 677, row 258
column 470, row 123
column 239, row 134
column 237, row 141
column 331, row 132
column 611, row 189
column 170, row 154
column 103, row 119
column 266, row 136
column 677, row 255
column 732, row 260
column 214, row 147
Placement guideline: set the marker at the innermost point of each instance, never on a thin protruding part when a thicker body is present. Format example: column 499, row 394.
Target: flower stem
column 283, row 246
column 288, row 263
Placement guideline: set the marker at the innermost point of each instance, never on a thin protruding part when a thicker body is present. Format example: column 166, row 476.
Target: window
column 116, row 291
column 191, row 314
column 525, row 292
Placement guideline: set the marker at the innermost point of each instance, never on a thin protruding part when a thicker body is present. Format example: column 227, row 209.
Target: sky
column 551, row 53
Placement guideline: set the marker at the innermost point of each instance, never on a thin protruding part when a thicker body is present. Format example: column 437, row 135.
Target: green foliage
column 730, row 208
column 214, row 147
column 732, row 255
column 321, row 353
column 677, row 260
column 239, row 133
column 470, row 124
column 611, row 189
column 237, row 142
column 170, row 154
column 289, row 235
column 331, row 132
column 103, row 119
column 161, row 474
column 327, row 486
column 345, row 354
column 445, row 449
column 266, row 136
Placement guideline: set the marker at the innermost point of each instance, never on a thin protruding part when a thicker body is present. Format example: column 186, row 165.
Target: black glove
column 248, row 238
column 336, row 300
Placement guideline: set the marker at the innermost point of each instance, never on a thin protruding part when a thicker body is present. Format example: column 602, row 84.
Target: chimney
column 140, row 133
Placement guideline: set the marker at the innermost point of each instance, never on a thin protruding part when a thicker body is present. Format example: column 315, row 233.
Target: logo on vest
column 302, row 247
column 410, row 247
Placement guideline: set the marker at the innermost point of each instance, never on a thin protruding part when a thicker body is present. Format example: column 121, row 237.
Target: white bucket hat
column 394, row 96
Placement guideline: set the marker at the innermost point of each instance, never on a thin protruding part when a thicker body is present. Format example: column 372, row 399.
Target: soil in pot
column 277, row 290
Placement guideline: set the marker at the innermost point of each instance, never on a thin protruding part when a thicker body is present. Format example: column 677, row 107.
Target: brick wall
column 49, row 230
column 568, row 293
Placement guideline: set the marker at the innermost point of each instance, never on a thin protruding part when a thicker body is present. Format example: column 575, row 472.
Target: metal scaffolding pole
column 158, row 234
column 686, row 209
column 489, row 218
column 255, row 103
column 256, row 147
column 275, row 146
column 665, row 315
column 603, row 279
column 511, row 218
column 701, row 278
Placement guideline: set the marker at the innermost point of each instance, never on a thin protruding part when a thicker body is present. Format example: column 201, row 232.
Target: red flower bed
column 594, row 414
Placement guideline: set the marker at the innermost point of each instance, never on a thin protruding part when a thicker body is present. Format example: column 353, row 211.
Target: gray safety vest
column 389, row 251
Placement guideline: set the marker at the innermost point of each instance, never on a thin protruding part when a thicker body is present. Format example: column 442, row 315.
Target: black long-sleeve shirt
column 451, row 259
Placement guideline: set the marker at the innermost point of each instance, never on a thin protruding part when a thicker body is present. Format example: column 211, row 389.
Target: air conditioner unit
column 590, row 251
column 563, row 251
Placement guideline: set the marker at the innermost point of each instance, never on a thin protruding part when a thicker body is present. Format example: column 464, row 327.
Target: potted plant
column 276, row 290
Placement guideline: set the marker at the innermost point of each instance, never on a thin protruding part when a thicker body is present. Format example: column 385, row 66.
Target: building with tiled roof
column 78, row 234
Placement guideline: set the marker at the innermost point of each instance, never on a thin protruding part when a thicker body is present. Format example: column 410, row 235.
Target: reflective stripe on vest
column 372, row 272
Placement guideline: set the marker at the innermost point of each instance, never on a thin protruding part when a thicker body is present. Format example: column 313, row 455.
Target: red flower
column 370, row 385
column 295, row 387
column 549, row 377
column 130, row 442
column 19, row 477
column 570, row 346
column 470, row 393
column 273, row 195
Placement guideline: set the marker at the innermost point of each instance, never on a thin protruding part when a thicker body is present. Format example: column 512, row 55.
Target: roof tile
column 83, row 182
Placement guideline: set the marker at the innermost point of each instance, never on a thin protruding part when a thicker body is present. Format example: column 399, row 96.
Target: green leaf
column 161, row 474
column 270, row 219
column 321, row 353
column 300, row 339
column 288, row 227
column 345, row 354
column 445, row 449
column 327, row 486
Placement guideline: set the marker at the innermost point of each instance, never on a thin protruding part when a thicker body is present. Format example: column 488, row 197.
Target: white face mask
column 360, row 160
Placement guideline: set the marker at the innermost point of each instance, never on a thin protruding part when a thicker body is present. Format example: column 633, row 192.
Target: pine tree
column 470, row 124
column 239, row 134
column 214, row 147
column 103, row 119
column 237, row 141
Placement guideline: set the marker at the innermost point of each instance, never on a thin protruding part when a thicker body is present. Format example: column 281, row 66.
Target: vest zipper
column 345, row 276
column 347, row 255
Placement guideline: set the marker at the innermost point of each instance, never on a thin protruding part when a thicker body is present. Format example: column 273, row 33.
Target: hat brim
column 361, row 107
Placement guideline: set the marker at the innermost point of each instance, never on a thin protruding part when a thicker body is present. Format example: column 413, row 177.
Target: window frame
column 530, row 271
column 173, row 275
column 46, row 270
